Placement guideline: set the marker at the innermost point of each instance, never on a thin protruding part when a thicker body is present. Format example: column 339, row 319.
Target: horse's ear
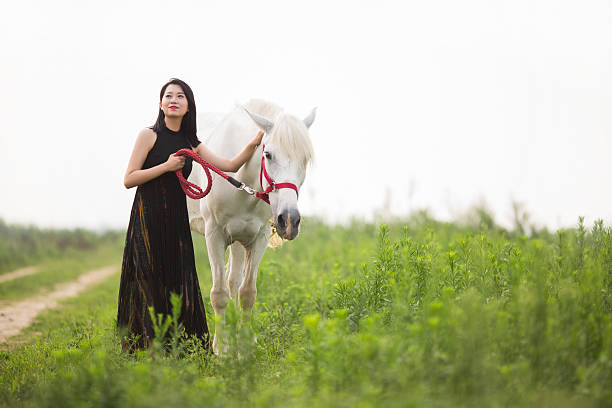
column 310, row 118
column 262, row 122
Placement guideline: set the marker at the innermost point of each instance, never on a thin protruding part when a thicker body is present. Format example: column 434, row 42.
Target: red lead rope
column 194, row 191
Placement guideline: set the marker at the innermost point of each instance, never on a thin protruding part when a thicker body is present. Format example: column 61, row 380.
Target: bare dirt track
column 16, row 316
column 18, row 273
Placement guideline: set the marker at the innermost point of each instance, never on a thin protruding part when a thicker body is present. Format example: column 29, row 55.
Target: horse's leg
column 248, row 288
column 218, row 293
column 235, row 268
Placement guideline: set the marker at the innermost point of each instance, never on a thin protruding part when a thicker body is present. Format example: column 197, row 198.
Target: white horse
column 231, row 217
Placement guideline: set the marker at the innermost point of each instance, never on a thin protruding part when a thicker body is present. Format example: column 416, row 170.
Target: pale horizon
column 438, row 105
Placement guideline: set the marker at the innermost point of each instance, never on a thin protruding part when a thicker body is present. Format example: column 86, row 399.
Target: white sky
column 432, row 104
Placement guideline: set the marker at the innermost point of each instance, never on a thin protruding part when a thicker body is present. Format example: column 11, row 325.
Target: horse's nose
column 280, row 220
column 287, row 223
column 296, row 220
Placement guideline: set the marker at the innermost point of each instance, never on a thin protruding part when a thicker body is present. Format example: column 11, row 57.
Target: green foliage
column 26, row 245
column 168, row 330
column 420, row 313
column 52, row 271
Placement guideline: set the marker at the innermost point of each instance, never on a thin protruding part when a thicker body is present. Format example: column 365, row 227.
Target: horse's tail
column 196, row 224
column 196, row 221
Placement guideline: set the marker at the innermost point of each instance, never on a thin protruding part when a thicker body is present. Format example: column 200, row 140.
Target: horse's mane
column 289, row 132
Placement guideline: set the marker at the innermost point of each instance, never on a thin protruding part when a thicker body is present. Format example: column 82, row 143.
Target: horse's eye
column 268, row 155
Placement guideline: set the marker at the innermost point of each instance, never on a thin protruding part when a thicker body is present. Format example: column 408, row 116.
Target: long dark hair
column 188, row 124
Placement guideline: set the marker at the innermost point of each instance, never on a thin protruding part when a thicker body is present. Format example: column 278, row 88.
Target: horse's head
column 287, row 153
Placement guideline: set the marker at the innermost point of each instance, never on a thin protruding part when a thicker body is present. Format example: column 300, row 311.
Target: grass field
column 417, row 313
column 52, row 270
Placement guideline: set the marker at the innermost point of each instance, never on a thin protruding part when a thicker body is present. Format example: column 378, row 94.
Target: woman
column 158, row 258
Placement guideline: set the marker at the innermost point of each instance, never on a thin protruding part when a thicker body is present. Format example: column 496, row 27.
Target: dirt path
column 18, row 273
column 18, row 315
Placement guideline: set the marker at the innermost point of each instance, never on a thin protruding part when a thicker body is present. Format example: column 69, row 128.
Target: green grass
column 29, row 245
column 69, row 266
column 427, row 314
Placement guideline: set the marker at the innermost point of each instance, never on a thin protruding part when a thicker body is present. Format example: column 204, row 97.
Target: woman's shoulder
column 147, row 133
column 147, row 136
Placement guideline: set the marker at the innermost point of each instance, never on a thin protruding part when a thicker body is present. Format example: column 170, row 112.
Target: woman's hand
column 230, row 165
column 175, row 163
column 257, row 141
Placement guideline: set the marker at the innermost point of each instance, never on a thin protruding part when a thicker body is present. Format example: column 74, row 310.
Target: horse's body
column 230, row 217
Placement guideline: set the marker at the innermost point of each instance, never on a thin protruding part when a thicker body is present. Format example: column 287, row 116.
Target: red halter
column 195, row 192
column 271, row 184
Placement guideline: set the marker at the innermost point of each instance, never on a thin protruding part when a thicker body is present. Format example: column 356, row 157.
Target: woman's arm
column 230, row 165
column 135, row 176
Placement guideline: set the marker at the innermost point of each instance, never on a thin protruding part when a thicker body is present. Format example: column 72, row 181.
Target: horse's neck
column 230, row 137
column 249, row 173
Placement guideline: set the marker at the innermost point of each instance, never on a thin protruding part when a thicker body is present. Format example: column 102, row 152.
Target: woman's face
column 174, row 101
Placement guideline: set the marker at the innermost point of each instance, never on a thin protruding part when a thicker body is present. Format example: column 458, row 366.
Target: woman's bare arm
column 230, row 165
column 135, row 175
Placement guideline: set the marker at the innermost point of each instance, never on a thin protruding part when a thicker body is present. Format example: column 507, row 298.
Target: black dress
column 158, row 258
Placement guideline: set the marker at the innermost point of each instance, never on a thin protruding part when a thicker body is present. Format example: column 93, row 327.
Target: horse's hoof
column 219, row 347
